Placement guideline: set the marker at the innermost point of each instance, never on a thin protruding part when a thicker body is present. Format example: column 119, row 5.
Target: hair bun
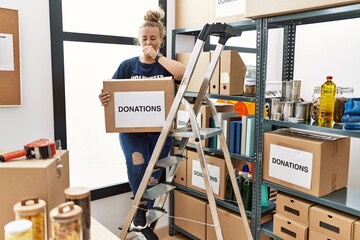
column 154, row 15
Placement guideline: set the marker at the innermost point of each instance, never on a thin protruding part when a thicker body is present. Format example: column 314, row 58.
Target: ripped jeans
column 138, row 148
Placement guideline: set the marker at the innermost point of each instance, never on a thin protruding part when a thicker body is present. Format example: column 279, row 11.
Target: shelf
column 224, row 97
column 336, row 129
column 225, row 204
column 345, row 199
column 267, row 229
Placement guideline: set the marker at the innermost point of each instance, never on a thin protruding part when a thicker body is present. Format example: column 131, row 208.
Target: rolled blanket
column 351, row 127
column 352, row 106
column 349, row 118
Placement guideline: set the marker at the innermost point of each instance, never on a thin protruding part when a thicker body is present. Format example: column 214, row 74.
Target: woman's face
column 150, row 36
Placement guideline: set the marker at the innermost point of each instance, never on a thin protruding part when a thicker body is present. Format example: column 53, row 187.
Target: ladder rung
column 169, row 161
column 157, row 191
column 153, row 215
column 188, row 133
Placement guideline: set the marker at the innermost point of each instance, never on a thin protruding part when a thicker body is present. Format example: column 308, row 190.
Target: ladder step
column 188, row 133
column 157, row 191
column 169, row 161
column 153, row 215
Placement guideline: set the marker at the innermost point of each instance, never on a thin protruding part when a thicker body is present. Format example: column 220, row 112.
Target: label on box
column 139, row 109
column 291, row 165
column 197, row 176
column 183, row 117
column 227, row 8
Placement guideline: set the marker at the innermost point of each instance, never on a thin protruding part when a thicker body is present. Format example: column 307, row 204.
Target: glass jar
column 66, row 222
column 34, row 210
column 250, row 81
column 18, row 230
column 315, row 108
column 342, row 95
column 81, row 197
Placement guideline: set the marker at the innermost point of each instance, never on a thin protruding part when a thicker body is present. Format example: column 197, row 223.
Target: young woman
column 138, row 147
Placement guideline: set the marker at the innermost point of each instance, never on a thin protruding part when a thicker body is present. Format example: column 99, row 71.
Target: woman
column 138, row 147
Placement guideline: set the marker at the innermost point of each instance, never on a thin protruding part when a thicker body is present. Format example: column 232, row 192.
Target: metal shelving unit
column 257, row 211
column 346, row 199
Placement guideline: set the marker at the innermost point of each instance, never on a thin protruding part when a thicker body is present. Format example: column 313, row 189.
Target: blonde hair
column 153, row 18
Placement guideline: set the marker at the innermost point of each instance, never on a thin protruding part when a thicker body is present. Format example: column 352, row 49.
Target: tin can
column 66, row 222
column 18, row 230
column 295, row 91
column 286, row 90
column 34, row 210
column 81, row 197
column 288, row 108
column 275, row 106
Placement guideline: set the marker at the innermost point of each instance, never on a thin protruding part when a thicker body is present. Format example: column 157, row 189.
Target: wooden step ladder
column 160, row 192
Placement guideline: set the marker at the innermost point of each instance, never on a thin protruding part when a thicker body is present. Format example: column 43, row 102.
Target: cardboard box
column 217, row 171
column 227, row 11
column 138, row 105
column 22, row 178
column 357, row 230
column 331, row 222
column 260, row 8
column 293, row 207
column 199, row 71
column 187, row 208
column 316, row 164
column 232, row 73
column 231, row 224
column 180, row 176
column 191, row 14
column 314, row 235
column 286, row 228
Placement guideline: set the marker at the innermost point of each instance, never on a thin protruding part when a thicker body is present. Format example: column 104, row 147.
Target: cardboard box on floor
column 286, row 228
column 293, row 207
column 190, row 214
column 261, row 8
column 316, row 164
column 138, row 105
column 331, row 222
column 23, row 178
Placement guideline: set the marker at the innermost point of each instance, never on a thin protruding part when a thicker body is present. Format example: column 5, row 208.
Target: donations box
column 138, row 105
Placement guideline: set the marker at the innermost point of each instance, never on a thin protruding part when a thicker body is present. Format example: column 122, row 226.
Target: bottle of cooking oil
column 327, row 102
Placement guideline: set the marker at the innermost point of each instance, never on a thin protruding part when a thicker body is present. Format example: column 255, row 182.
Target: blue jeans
column 138, row 148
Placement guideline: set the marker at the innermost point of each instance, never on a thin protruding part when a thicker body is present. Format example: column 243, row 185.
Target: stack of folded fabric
column 351, row 117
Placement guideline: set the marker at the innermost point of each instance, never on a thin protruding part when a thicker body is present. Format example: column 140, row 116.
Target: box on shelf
column 23, row 178
column 217, row 171
column 293, row 207
column 316, row 164
column 190, row 214
column 232, row 73
column 180, row 176
column 135, row 100
column 286, row 228
column 189, row 15
column 331, row 222
column 314, row 235
column 227, row 11
column 357, row 230
column 259, row 8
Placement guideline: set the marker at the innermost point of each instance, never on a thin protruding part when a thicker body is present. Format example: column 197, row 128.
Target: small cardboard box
column 217, row 171
column 357, row 230
column 260, row 8
column 190, row 214
column 190, row 14
column 314, row 235
column 316, row 164
column 180, row 176
column 286, row 228
column 23, row 178
column 331, row 222
column 232, row 73
column 293, row 207
column 138, row 105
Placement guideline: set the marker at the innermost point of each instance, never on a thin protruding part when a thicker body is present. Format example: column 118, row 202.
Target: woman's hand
column 104, row 97
column 150, row 51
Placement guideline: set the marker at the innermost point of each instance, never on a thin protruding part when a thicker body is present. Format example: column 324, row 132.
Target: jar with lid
column 250, row 81
column 342, row 95
column 66, row 222
column 315, row 108
column 81, row 197
column 34, row 210
column 18, row 230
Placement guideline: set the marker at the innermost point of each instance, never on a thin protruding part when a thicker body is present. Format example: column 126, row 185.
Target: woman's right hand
column 104, row 97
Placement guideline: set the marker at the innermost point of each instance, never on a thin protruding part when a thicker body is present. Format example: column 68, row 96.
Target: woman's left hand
column 150, row 51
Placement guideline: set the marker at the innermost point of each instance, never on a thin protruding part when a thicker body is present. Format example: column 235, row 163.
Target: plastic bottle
column 264, row 197
column 327, row 102
column 247, row 191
